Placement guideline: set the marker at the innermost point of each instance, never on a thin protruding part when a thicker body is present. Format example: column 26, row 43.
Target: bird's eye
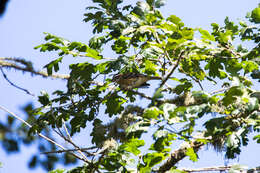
column 115, row 78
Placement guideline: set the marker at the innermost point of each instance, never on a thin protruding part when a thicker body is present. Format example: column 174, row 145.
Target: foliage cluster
column 191, row 61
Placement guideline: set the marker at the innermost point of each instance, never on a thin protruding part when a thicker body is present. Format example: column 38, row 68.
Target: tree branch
column 71, row 142
column 68, row 150
column 16, row 86
column 25, row 66
column 41, row 135
column 172, row 70
column 216, row 168
column 178, row 155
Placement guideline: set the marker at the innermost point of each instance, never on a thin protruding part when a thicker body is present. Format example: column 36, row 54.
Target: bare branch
column 69, row 139
column 71, row 142
column 69, row 150
column 41, row 135
column 16, row 86
column 26, row 67
column 215, row 168
column 142, row 95
column 218, row 91
column 198, row 81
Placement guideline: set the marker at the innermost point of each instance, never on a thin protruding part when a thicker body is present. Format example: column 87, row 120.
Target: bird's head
column 116, row 77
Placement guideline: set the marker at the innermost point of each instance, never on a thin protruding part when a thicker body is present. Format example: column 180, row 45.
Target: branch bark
column 25, row 66
column 178, row 155
column 218, row 168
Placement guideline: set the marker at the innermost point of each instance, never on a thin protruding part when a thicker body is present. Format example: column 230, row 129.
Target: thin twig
column 72, row 143
column 218, row 91
column 69, row 150
column 66, row 130
column 217, row 168
column 196, row 80
column 142, row 95
column 172, row 70
column 40, row 134
column 70, row 140
column 16, row 86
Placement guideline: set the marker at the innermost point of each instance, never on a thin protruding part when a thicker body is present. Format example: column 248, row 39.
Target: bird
column 128, row 81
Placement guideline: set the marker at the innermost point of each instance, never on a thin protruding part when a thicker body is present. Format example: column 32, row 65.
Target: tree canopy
column 207, row 92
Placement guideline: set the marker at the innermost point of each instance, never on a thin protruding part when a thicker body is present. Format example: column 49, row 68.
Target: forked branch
column 43, row 136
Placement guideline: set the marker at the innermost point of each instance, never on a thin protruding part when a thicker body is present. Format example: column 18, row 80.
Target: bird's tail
column 155, row 78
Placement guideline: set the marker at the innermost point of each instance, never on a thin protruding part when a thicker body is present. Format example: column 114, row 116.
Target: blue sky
column 22, row 29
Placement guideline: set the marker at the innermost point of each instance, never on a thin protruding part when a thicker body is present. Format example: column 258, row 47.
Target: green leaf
column 233, row 140
column 257, row 138
column 152, row 112
column 57, row 171
column 174, row 19
column 150, row 2
column 44, row 99
column 159, row 3
column 83, row 71
column 132, row 146
column 173, row 170
column 182, row 87
column 225, row 37
column 192, row 155
column 168, row 109
column 255, row 15
column 151, row 159
column 163, row 140
column 93, row 54
column 114, row 105
column 120, row 46
column 231, row 26
column 53, row 65
column 150, row 68
column 232, row 94
column 206, row 35
column 250, row 66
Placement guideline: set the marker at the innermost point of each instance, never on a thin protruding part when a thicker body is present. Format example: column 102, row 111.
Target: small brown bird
column 132, row 80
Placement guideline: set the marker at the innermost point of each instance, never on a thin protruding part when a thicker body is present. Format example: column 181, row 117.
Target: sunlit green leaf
column 206, row 35
column 152, row 112
column 255, row 15
column 132, row 146
column 192, row 155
